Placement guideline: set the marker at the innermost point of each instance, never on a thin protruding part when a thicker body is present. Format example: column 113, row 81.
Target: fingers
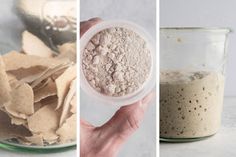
column 85, row 25
column 127, row 119
column 85, row 124
column 85, row 129
column 147, row 99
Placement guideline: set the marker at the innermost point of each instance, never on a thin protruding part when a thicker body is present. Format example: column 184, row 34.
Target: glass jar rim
column 207, row 29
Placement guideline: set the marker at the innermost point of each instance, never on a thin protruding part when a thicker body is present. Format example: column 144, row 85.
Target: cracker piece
column 11, row 77
column 17, row 121
column 37, row 106
column 67, row 50
column 63, row 84
column 22, row 101
column 42, row 84
column 36, row 139
column 50, row 137
column 28, row 75
column 66, row 104
column 47, row 73
column 32, row 45
column 44, row 121
column 8, row 130
column 67, row 132
column 73, row 104
column 49, row 90
column 5, row 88
column 15, row 60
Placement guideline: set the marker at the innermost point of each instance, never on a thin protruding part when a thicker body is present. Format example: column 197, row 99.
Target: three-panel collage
column 117, row 78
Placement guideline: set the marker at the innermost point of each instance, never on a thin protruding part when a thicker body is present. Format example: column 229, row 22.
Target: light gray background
column 205, row 13
column 142, row 12
column 10, row 28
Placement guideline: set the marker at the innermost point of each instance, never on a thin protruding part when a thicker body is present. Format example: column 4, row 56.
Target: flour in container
column 116, row 62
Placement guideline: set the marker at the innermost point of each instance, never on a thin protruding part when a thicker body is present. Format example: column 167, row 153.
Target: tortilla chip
column 22, row 101
column 5, row 88
column 45, row 120
column 63, row 84
column 8, row 130
column 73, row 104
column 15, row 60
column 49, row 90
column 32, row 45
column 66, row 104
column 67, row 132
column 67, row 50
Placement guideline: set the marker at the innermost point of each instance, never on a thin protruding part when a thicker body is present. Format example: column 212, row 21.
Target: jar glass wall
column 192, row 68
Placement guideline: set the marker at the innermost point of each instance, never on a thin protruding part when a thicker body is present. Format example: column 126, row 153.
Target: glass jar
column 54, row 22
column 192, row 68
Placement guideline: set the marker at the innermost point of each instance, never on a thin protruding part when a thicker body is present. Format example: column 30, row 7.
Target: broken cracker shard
column 31, row 45
column 5, row 95
column 63, row 84
column 22, row 101
column 68, row 99
column 38, row 94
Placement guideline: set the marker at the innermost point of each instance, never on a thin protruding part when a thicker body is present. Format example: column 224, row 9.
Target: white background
column 205, row 13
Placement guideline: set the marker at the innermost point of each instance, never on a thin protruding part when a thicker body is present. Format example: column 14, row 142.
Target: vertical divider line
column 157, row 77
column 78, row 74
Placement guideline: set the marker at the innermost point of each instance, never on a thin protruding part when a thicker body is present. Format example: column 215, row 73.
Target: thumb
column 85, row 130
column 85, row 25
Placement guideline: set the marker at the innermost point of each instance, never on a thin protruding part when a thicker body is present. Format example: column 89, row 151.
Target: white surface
column 221, row 145
column 142, row 143
column 209, row 13
column 5, row 153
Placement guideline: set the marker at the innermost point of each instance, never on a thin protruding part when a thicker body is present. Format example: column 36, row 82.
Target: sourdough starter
column 190, row 103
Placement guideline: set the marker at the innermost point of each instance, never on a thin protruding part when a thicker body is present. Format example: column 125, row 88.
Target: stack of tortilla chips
column 38, row 93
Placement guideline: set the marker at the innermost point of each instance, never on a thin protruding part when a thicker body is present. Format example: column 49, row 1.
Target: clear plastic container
column 142, row 91
column 192, row 66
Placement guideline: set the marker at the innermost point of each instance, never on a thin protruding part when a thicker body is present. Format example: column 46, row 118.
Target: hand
column 106, row 140
column 85, row 25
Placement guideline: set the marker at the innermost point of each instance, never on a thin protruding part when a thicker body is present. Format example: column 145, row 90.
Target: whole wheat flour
column 116, row 62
